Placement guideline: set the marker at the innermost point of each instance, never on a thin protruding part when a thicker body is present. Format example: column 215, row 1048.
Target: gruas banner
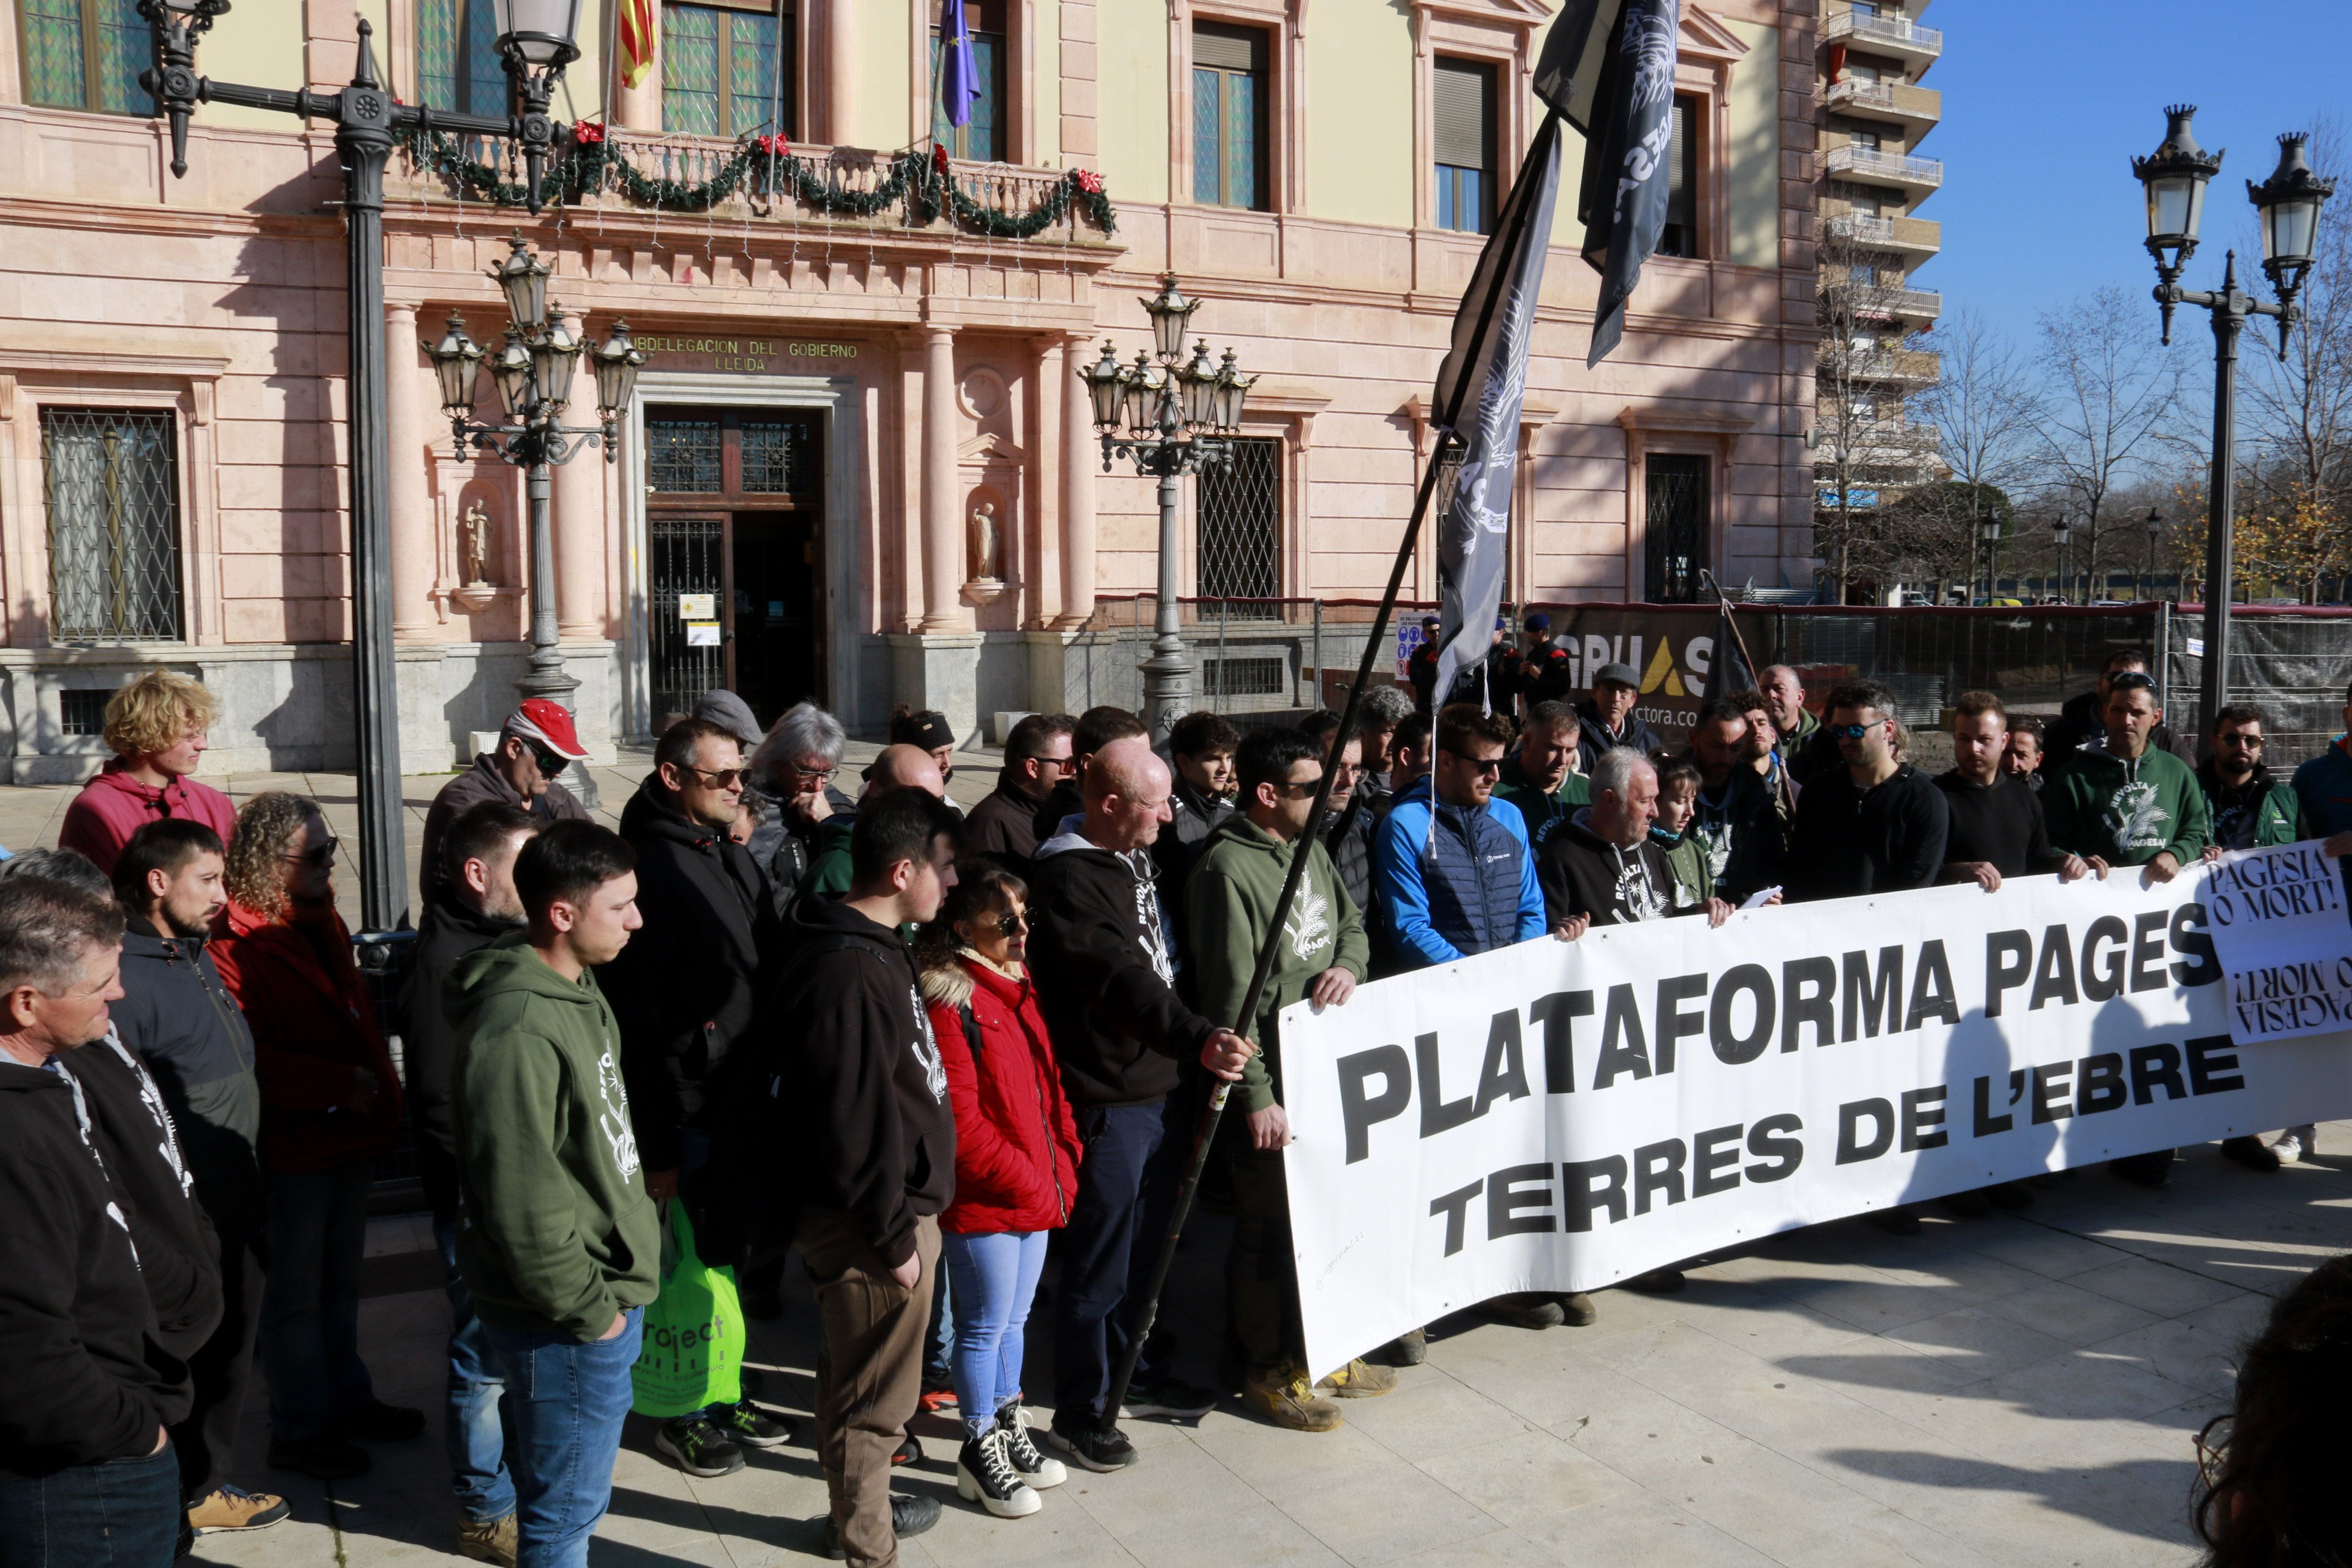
column 1671, row 650
column 1561, row 1116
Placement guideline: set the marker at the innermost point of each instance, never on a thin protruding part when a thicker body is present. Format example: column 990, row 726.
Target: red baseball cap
column 545, row 723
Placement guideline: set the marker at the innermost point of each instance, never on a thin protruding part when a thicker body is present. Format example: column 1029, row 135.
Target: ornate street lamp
column 1989, row 534
column 1173, row 417
column 2155, row 530
column 533, row 375
column 536, row 41
column 2174, row 177
column 2061, row 535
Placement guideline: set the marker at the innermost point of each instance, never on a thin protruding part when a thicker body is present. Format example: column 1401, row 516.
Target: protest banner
column 1560, row 1116
column 2284, row 939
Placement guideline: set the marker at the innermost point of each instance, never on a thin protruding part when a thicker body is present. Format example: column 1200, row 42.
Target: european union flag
column 959, row 76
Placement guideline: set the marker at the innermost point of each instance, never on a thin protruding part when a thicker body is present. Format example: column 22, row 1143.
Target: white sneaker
column 984, row 1475
column 2288, row 1148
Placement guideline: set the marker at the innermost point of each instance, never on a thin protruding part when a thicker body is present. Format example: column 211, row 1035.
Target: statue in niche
column 986, row 544
column 473, row 545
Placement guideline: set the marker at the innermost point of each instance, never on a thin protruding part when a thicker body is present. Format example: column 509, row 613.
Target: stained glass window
column 86, row 54
column 457, row 65
column 725, row 72
column 1229, row 129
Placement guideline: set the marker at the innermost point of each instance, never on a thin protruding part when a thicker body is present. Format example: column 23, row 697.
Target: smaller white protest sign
column 2284, row 939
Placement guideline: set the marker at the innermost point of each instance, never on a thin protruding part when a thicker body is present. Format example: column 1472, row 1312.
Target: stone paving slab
column 1993, row 1393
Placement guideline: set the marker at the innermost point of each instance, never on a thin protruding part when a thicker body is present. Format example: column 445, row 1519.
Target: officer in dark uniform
column 1421, row 668
column 1546, row 673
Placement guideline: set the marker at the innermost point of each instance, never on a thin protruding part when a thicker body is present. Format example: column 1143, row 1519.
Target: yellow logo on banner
column 1662, row 670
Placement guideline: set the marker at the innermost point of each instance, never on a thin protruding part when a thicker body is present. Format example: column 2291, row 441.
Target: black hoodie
column 858, row 1090
column 1585, row 874
column 85, row 1378
column 429, row 1041
column 181, row 1022
column 179, row 1256
column 684, row 988
column 1101, row 948
column 1849, row 841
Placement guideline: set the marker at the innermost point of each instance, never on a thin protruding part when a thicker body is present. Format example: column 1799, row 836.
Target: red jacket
column 114, row 806
column 312, row 1024
column 1016, row 1144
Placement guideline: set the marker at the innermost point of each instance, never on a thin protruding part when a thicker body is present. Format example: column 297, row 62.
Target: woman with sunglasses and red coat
column 1017, row 1172
column 331, row 1108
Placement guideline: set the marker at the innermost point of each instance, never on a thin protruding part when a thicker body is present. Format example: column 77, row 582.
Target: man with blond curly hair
column 156, row 726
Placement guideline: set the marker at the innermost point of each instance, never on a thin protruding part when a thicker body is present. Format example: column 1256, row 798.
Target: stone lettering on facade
column 738, row 355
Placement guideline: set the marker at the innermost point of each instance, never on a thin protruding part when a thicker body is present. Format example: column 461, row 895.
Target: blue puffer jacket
column 1468, row 887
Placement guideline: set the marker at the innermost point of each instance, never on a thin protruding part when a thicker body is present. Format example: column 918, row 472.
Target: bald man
column 893, row 767
column 1119, row 1032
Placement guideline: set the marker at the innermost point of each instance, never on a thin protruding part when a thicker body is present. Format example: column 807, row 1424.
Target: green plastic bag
column 693, row 1351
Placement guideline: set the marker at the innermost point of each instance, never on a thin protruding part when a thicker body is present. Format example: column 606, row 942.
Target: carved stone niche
column 473, row 590
column 984, row 543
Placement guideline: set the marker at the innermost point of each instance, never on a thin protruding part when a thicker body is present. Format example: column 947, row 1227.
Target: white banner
column 2285, row 941
column 1560, row 1116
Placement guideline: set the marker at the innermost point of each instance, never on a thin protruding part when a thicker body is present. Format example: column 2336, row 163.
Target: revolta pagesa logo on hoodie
column 927, row 1051
column 614, row 1119
column 2139, row 823
column 1309, row 925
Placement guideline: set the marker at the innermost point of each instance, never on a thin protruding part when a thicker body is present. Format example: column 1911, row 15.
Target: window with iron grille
column 776, row 456
column 1258, row 676
column 983, row 138
column 82, row 713
column 1676, row 531
column 1230, row 101
column 1464, row 143
column 727, row 69
column 110, row 478
column 457, row 63
column 732, row 454
column 1241, row 529
column 682, row 454
column 85, row 54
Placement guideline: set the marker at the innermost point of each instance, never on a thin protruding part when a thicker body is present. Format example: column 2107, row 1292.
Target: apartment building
column 860, row 444
column 1874, row 114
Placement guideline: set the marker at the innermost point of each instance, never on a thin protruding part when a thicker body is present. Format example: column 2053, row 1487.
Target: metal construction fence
column 1269, row 655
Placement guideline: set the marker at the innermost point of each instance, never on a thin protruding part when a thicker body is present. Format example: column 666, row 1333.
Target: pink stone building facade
column 863, row 438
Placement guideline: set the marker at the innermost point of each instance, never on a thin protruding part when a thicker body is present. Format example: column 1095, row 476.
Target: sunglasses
column 1298, row 790
column 1483, row 764
column 550, row 764
column 1011, row 920
column 2250, row 743
column 1851, row 731
column 725, row 778
column 2131, row 680
column 324, row 854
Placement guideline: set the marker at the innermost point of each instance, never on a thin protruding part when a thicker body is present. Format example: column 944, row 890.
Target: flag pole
column 1444, row 420
column 1723, row 603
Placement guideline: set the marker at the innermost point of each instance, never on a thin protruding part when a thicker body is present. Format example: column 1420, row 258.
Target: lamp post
column 1179, row 416
column 1989, row 534
column 2062, row 535
column 535, row 40
column 533, row 374
column 2175, row 176
column 2155, row 529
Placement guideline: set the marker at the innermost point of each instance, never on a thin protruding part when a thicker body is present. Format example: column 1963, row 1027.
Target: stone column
column 579, row 525
column 840, row 72
column 408, row 422
column 942, row 527
column 638, row 108
column 1080, row 451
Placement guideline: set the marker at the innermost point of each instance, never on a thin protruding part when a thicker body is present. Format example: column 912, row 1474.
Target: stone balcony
column 1916, row 108
column 1898, row 37
column 1907, row 235
column 1871, row 166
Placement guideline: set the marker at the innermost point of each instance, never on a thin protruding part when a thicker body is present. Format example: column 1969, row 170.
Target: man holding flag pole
column 1607, row 68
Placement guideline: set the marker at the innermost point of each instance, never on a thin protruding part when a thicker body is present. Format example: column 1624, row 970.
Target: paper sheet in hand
column 2285, row 941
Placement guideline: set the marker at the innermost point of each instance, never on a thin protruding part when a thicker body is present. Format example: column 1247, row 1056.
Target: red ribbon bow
column 588, row 133
column 940, row 160
column 775, row 145
column 1088, row 181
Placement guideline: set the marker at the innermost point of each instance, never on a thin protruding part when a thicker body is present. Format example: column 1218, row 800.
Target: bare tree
column 1865, row 444
column 1982, row 407
column 2109, row 390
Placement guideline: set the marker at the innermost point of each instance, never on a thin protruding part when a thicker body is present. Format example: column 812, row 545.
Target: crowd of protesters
column 908, row 1041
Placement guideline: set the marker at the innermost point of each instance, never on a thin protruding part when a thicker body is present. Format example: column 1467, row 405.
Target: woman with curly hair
column 329, row 1107
column 156, row 726
column 2270, row 1473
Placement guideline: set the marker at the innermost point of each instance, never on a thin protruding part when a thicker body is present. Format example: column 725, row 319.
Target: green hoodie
column 1228, row 900
column 2128, row 813
column 1693, row 874
column 1542, row 812
column 559, row 1232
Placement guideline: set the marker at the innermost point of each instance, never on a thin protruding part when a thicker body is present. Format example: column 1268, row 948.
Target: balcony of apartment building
column 1889, row 366
column 1867, row 298
column 1895, row 235
column 1883, row 33
column 1869, row 165
column 1889, row 445
column 1916, row 108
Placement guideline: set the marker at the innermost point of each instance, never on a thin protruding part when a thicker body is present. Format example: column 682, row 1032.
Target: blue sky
column 2045, row 102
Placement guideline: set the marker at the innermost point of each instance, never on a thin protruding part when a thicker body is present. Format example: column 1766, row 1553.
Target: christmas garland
column 766, row 166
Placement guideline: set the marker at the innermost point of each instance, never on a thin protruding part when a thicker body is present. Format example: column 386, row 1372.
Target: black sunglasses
column 550, row 764
column 2131, row 680
column 1010, row 921
column 1851, row 731
column 1483, row 764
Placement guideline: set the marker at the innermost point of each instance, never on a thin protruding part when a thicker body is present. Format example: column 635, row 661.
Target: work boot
column 1577, row 1311
column 493, row 1540
column 1524, row 1309
column 1410, row 1349
column 2252, row 1153
column 234, row 1508
column 909, row 1516
column 1359, row 1380
column 1283, row 1397
column 984, row 1475
column 1657, row 1282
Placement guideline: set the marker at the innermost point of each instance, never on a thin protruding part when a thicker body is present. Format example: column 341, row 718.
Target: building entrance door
column 736, row 512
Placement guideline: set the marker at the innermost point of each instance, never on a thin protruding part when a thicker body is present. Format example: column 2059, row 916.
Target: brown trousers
column 869, row 1370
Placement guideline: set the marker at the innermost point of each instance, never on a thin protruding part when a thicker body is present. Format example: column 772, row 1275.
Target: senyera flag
column 636, row 29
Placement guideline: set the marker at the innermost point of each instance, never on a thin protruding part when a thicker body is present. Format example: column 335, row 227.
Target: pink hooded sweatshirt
column 114, row 806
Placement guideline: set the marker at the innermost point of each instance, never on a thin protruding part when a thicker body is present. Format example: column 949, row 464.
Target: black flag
column 1626, row 92
column 1729, row 671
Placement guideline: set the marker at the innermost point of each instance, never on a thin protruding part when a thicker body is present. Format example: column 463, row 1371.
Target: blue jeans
column 123, row 1513
column 1099, row 1250
column 568, row 1400
column 317, row 1227
column 995, row 1278
column 475, row 1430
